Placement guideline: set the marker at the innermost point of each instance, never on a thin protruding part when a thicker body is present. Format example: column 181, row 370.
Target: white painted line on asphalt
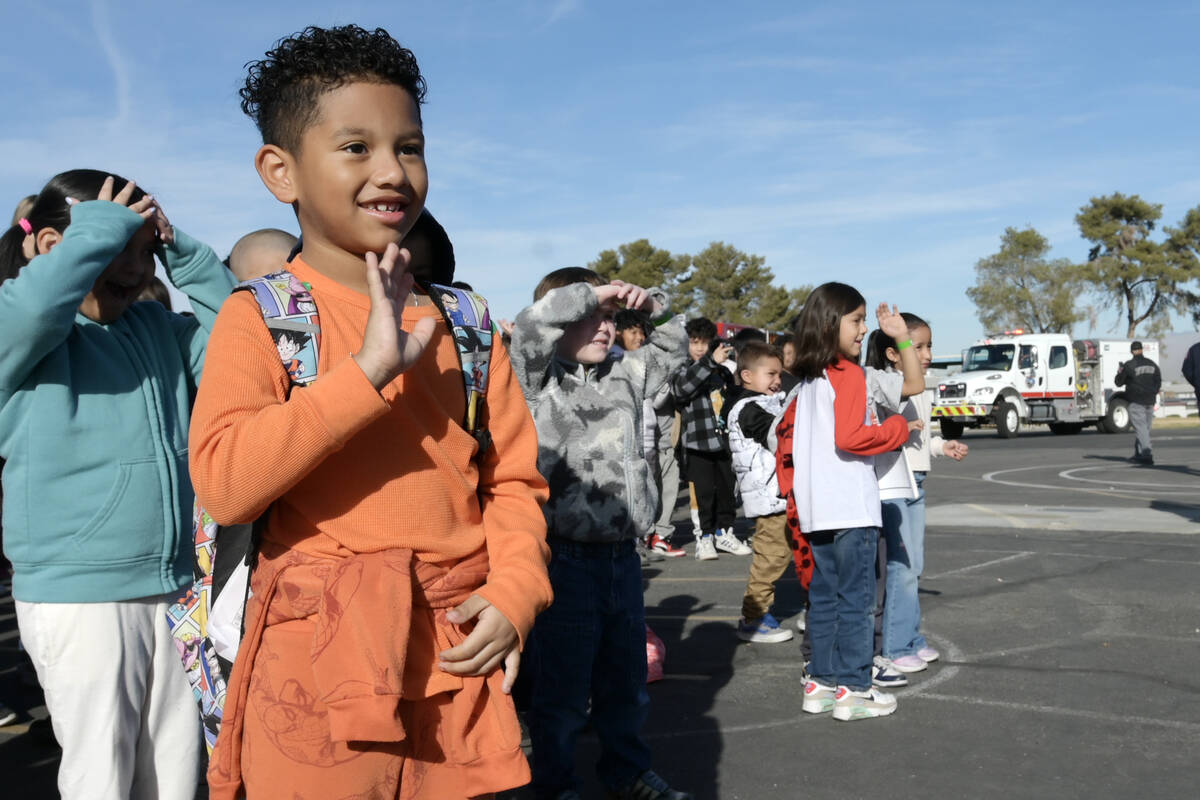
column 1095, row 556
column 1014, row 557
column 1116, row 519
column 716, row 729
column 1069, row 474
column 1112, row 491
column 945, row 672
column 988, row 479
column 1097, row 716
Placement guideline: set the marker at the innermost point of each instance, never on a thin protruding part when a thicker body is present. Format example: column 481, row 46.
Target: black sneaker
column 648, row 786
column 7, row 715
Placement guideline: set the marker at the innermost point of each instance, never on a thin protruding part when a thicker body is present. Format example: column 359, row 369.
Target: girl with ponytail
column 95, row 398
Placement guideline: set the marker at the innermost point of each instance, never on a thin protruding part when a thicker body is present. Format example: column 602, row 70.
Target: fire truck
column 1014, row 379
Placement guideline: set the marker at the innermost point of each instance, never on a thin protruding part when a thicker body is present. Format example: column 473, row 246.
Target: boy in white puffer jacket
column 751, row 416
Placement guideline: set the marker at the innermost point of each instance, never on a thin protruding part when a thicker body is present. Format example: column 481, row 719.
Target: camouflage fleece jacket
column 589, row 418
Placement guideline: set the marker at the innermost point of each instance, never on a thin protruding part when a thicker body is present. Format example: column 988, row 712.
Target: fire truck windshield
column 989, row 357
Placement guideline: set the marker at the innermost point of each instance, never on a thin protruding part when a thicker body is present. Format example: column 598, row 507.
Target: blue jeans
column 841, row 602
column 904, row 532
column 590, row 645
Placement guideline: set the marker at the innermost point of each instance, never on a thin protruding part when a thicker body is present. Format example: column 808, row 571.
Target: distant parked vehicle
column 1016, row 379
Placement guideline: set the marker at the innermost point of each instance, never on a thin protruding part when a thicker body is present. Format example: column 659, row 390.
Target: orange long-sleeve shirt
column 353, row 470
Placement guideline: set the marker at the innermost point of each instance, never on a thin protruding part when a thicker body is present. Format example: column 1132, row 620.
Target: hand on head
column 635, row 297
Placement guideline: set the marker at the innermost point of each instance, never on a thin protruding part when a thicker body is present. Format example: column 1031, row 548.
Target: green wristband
column 907, row 343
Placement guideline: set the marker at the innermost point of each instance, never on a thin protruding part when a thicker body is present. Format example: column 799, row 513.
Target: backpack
column 206, row 623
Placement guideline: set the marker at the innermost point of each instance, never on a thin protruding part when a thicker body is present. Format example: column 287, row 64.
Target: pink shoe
column 909, row 663
column 928, row 654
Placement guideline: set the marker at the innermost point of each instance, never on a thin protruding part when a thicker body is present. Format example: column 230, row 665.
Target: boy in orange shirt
column 400, row 567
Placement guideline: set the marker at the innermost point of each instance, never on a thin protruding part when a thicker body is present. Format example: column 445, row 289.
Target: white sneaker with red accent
column 818, row 698
column 850, row 705
column 666, row 548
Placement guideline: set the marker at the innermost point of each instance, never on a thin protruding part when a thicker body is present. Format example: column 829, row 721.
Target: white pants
column 118, row 698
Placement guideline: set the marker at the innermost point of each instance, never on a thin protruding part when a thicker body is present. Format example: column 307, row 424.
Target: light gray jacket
column 589, row 418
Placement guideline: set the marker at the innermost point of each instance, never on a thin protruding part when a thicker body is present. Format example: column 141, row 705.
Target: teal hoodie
column 94, row 418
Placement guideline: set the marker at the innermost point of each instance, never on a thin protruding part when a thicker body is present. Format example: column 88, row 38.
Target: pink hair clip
column 26, row 225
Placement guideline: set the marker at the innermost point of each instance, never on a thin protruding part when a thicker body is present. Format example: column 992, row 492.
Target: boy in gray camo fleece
column 587, row 653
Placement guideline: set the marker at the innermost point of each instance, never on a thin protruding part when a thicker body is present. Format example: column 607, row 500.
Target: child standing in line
column 699, row 390
column 886, row 390
column 588, row 651
column 403, row 560
column 837, row 499
column 754, row 406
column 95, row 395
column 633, row 329
column 904, row 649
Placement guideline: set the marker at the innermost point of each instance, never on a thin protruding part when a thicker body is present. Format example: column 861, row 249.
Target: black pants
column 712, row 476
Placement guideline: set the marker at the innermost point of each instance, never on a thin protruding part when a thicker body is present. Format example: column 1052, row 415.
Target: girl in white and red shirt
column 836, row 497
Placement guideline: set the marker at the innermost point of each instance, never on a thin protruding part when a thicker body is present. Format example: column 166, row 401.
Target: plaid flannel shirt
column 694, row 385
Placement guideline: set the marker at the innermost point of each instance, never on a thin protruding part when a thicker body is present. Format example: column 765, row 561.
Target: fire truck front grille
column 952, row 390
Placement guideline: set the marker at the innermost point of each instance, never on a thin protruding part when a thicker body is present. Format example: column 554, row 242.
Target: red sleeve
column 785, row 467
column 851, row 431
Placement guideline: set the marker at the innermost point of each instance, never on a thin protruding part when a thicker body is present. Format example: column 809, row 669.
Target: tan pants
column 772, row 555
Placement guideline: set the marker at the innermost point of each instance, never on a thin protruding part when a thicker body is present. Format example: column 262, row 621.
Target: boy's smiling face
column 358, row 177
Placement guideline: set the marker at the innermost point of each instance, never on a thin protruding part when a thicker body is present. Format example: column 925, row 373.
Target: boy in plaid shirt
column 699, row 392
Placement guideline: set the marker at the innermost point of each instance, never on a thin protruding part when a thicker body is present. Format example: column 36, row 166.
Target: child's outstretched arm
column 851, row 431
column 891, row 323
column 38, row 306
column 538, row 329
column 246, row 416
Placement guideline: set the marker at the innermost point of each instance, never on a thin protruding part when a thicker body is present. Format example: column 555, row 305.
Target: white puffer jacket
column 754, row 464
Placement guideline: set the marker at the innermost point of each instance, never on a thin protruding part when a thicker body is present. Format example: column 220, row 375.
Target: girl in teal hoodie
column 95, row 397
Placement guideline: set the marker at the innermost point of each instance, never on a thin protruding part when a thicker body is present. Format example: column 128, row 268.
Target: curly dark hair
column 282, row 89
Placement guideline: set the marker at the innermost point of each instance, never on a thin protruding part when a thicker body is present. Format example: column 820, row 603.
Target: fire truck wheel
column 1117, row 418
column 951, row 428
column 1008, row 420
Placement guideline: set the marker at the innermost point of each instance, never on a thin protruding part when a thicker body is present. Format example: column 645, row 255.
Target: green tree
column 1183, row 249
column 1018, row 288
column 643, row 264
column 728, row 285
column 1144, row 279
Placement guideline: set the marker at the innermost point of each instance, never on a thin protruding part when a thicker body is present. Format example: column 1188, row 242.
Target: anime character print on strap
column 471, row 323
column 288, row 306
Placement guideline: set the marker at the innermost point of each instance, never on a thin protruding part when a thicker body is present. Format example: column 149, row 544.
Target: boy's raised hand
column 494, row 639
column 891, row 323
column 387, row 349
column 627, row 294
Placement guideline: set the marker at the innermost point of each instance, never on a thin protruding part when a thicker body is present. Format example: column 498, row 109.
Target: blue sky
column 884, row 144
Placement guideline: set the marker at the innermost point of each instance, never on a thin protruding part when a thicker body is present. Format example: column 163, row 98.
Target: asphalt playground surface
column 1062, row 587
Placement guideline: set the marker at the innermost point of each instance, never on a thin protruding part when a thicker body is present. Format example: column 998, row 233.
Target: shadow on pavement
column 683, row 733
